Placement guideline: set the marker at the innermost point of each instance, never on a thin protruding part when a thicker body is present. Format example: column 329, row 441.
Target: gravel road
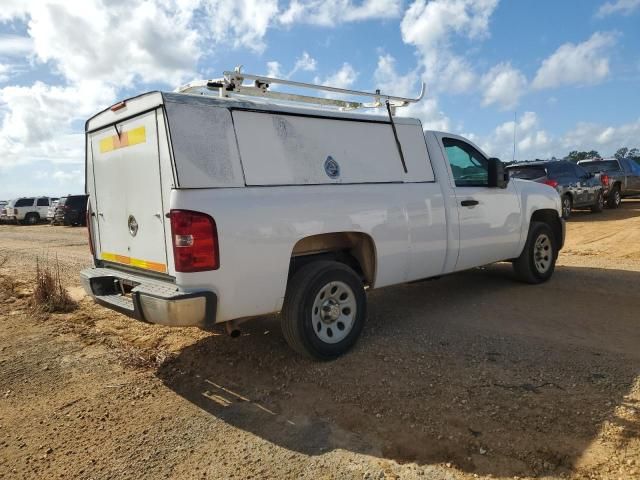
column 473, row 375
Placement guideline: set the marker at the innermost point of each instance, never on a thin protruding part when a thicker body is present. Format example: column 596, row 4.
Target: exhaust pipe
column 232, row 329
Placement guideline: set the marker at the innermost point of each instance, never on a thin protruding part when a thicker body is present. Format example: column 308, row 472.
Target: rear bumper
column 149, row 300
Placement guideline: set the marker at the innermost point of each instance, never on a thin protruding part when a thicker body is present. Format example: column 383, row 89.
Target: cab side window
column 43, row 202
column 469, row 167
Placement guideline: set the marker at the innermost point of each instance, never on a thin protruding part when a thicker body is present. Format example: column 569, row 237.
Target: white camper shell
column 205, row 210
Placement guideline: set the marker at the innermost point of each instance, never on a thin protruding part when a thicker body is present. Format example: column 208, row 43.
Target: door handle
column 469, row 203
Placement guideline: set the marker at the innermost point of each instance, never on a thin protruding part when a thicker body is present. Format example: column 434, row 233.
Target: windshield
column 527, row 173
column 601, row 166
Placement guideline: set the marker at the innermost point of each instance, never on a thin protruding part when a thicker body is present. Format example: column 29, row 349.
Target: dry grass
column 49, row 294
column 138, row 358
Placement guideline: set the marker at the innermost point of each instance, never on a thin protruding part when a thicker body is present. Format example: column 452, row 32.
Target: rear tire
column 599, row 205
column 567, row 205
column 537, row 261
column 31, row 218
column 615, row 197
column 324, row 310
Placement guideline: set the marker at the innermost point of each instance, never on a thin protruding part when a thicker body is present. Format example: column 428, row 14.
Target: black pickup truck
column 620, row 178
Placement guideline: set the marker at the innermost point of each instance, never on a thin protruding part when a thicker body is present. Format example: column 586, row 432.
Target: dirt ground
column 471, row 376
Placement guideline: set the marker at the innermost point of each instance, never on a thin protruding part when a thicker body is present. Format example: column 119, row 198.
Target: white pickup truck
column 205, row 210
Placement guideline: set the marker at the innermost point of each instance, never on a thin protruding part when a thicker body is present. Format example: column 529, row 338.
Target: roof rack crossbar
column 232, row 83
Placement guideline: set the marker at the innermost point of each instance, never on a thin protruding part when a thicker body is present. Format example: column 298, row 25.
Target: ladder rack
column 232, row 83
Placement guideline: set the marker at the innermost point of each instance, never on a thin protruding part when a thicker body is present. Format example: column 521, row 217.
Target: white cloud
column 37, row 120
column 244, row 23
column 306, row 63
column 5, row 72
column 533, row 141
column 604, row 138
column 429, row 26
column 75, row 176
column 345, row 77
column 585, row 63
column 329, row 13
column 12, row 9
column 15, row 45
column 274, row 69
column 390, row 81
column 503, row 85
column 149, row 43
column 625, row 7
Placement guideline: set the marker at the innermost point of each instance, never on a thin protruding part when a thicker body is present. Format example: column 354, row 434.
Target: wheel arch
column 355, row 249
column 551, row 218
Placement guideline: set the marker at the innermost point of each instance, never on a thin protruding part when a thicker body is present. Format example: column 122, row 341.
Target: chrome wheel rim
column 334, row 311
column 566, row 207
column 542, row 253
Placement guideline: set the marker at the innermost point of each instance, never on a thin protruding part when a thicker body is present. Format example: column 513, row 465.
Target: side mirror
column 498, row 176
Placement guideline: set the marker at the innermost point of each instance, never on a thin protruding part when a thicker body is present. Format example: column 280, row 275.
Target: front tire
column 537, row 261
column 324, row 310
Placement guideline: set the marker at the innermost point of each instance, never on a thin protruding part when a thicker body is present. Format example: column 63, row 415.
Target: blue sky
column 568, row 70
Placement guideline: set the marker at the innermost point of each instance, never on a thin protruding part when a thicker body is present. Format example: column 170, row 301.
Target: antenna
column 232, row 83
column 515, row 123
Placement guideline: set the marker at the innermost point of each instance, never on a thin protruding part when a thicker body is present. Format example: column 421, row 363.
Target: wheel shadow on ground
column 475, row 370
column 630, row 208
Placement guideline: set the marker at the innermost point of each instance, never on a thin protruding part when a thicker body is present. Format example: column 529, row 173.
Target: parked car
column 620, row 177
column 3, row 213
column 52, row 211
column 577, row 187
column 29, row 210
column 323, row 205
column 71, row 210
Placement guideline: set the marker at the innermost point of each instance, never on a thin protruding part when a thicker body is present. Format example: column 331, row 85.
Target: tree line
column 624, row 152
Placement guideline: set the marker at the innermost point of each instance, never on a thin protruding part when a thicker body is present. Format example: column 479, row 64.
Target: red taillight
column 551, row 183
column 195, row 241
column 604, row 179
column 89, row 233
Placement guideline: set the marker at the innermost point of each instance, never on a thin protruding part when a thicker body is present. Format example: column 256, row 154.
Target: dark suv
column 577, row 187
column 620, row 177
column 71, row 210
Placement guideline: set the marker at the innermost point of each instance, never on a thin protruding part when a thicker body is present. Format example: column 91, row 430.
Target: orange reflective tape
column 126, row 138
column 134, row 262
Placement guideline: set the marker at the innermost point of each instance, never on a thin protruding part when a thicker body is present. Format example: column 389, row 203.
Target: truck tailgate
column 129, row 201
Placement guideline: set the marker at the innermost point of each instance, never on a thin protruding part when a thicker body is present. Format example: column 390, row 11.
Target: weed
column 49, row 294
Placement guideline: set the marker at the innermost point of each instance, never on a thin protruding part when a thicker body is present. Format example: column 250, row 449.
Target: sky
column 566, row 72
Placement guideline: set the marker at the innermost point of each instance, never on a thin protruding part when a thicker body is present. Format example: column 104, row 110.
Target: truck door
column 490, row 219
column 632, row 172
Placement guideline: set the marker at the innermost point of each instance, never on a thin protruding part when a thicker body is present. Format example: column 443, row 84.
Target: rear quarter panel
column 258, row 228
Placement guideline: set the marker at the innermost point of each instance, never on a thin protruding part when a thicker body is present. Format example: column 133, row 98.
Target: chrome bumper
column 149, row 300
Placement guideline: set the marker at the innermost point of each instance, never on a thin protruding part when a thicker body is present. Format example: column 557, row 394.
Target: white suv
column 29, row 210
